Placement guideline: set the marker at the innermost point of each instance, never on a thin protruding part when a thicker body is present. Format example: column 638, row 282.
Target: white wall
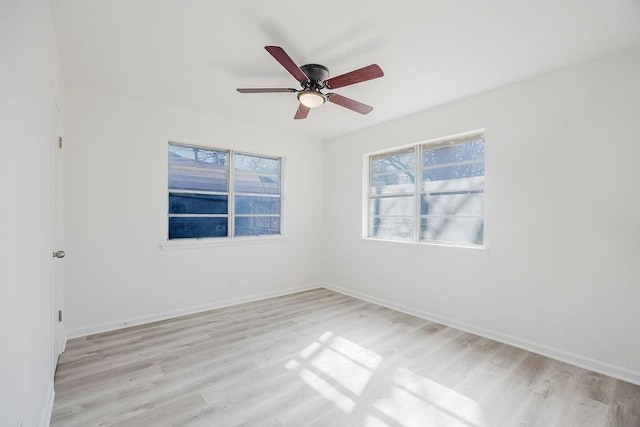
column 562, row 218
column 116, row 216
column 28, row 67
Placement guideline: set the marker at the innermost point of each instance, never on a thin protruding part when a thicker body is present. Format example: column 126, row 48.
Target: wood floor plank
column 320, row 358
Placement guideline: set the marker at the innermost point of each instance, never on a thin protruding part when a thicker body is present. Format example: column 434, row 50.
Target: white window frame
column 231, row 238
column 418, row 192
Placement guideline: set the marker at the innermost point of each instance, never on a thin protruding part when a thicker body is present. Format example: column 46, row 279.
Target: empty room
column 345, row 213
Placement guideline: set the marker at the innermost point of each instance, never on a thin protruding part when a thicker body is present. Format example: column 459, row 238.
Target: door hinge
column 59, row 142
column 59, row 315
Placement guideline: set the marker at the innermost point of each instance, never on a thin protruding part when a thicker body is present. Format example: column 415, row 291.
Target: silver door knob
column 59, row 254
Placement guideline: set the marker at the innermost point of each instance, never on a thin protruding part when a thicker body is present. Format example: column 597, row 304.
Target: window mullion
column 417, row 190
column 369, row 199
column 197, row 216
column 448, row 165
column 266, row 195
column 210, row 193
column 232, row 196
column 281, row 194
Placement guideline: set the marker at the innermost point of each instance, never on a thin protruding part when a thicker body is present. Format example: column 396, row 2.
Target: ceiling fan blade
column 302, row 112
column 349, row 103
column 281, row 56
column 266, row 90
column 369, row 72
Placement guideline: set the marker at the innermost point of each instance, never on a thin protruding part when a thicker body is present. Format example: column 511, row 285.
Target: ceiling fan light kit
column 313, row 78
column 311, row 98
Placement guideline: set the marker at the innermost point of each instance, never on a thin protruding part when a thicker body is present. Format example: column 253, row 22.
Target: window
column 432, row 192
column 222, row 193
column 257, row 195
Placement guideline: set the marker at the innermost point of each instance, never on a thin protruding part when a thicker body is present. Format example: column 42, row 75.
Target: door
column 57, row 262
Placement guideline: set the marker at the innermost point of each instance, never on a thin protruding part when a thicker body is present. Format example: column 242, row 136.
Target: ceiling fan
column 313, row 78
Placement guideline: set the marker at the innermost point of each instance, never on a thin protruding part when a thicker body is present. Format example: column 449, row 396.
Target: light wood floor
column 322, row 358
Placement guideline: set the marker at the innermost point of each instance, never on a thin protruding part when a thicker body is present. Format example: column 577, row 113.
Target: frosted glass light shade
column 311, row 98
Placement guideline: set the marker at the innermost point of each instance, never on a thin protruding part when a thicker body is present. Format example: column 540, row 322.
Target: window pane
column 389, row 228
column 475, row 182
column 465, row 203
column 392, row 162
column 459, row 230
column 197, row 204
column 256, row 164
column 257, row 205
column 212, row 179
column 252, row 183
column 255, row 226
column 453, row 172
column 195, row 227
column 197, row 157
column 463, row 152
column 392, row 205
column 402, row 182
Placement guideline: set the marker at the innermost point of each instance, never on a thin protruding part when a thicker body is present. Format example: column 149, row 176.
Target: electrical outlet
column 232, row 278
column 447, row 294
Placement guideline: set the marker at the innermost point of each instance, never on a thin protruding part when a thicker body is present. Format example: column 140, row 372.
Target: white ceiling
column 192, row 54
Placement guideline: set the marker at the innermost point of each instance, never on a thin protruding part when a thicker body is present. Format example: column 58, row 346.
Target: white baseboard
column 125, row 323
column 47, row 409
column 544, row 350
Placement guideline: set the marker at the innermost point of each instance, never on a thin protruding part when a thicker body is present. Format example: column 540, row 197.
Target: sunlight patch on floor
column 371, row 421
column 329, row 392
column 336, row 368
column 340, row 370
column 414, row 400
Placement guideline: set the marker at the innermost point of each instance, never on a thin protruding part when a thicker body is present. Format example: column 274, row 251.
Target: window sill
column 461, row 249
column 172, row 245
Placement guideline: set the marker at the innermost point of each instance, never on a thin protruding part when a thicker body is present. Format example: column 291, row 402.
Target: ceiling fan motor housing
column 316, row 73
